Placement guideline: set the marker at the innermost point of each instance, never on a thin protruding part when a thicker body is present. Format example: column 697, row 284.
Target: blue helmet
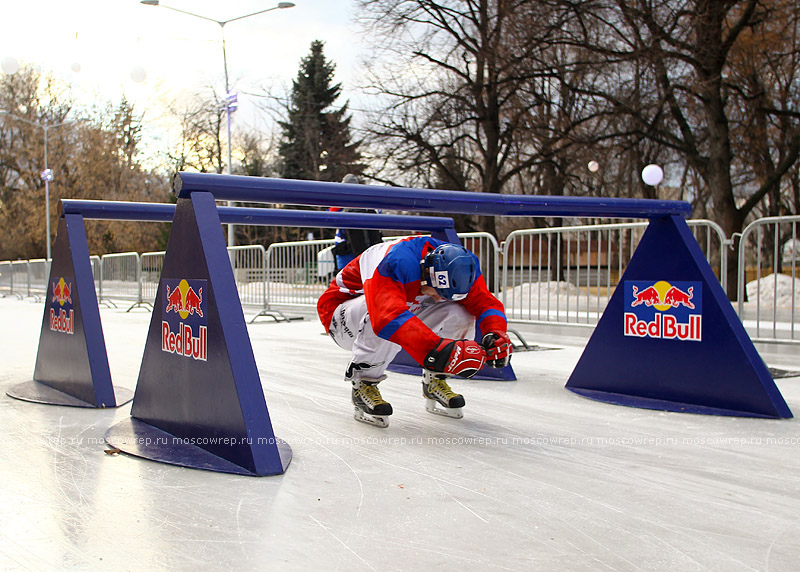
column 451, row 269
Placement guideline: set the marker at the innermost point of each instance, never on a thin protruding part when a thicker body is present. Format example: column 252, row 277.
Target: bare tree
column 472, row 94
column 91, row 156
column 696, row 102
column 765, row 84
column 201, row 144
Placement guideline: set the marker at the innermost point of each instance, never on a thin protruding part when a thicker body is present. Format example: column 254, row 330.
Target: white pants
column 351, row 329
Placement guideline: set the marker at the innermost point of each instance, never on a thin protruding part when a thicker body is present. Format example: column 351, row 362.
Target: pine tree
column 316, row 139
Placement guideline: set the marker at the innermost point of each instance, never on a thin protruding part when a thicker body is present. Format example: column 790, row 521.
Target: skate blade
column 376, row 420
column 433, row 406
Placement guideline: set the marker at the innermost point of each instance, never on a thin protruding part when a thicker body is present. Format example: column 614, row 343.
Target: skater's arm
column 391, row 319
column 388, row 290
column 488, row 310
column 491, row 319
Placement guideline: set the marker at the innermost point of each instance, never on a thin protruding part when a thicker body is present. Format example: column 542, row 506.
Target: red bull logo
column 184, row 329
column 62, row 314
column 663, row 310
column 62, row 292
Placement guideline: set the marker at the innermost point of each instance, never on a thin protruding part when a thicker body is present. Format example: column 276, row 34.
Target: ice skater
column 422, row 295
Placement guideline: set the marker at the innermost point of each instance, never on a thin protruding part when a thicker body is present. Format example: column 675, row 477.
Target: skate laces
column 371, row 393
column 440, row 388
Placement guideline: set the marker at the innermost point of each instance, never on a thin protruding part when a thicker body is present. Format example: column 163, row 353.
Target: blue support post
column 71, row 363
column 199, row 401
column 670, row 340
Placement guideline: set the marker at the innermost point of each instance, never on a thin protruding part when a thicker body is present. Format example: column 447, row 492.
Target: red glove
column 498, row 348
column 456, row 357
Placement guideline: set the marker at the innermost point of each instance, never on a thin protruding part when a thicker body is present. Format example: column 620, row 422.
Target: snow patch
column 778, row 289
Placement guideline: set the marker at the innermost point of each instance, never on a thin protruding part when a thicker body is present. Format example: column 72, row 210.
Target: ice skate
column 439, row 398
column 370, row 407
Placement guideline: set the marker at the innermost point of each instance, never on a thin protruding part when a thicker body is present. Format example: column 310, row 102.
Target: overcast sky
column 180, row 54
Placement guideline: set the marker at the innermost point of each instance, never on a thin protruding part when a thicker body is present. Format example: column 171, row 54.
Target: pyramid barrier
column 669, row 322
column 71, row 362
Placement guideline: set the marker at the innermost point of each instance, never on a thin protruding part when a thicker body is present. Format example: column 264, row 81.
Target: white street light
column 138, row 74
column 229, row 104
column 47, row 174
column 652, row 175
column 10, row 65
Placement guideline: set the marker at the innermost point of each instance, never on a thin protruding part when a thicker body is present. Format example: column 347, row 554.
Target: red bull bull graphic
column 663, row 310
column 184, row 329
column 62, row 314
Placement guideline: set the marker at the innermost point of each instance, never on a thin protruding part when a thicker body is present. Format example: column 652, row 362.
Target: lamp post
column 230, row 99
column 47, row 174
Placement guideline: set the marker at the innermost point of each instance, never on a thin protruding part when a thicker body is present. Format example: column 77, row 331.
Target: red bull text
column 184, row 329
column 62, row 314
column 663, row 310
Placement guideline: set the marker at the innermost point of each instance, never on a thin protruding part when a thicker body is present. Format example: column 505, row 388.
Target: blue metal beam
column 162, row 212
column 289, row 191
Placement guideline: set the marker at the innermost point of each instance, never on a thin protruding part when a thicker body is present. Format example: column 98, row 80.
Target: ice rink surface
column 533, row 478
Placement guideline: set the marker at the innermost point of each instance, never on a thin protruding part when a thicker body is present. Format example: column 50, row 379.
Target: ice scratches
column 239, row 535
column 58, row 454
column 579, row 532
column 775, row 541
column 706, row 545
column 449, row 494
column 340, row 541
column 695, row 536
column 644, row 520
column 26, row 552
column 445, row 491
column 647, row 519
column 471, row 558
column 438, row 552
column 345, row 463
column 438, row 479
column 577, row 549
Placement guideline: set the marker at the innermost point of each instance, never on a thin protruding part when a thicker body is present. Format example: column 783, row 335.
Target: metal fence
column 485, row 247
column 150, row 264
column 557, row 275
column 768, row 284
column 19, row 276
column 29, row 278
column 121, row 278
column 248, row 271
column 567, row 274
column 6, row 278
column 38, row 276
column 292, row 274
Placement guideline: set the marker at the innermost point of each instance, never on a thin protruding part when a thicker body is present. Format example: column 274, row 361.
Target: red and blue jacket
column 389, row 275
